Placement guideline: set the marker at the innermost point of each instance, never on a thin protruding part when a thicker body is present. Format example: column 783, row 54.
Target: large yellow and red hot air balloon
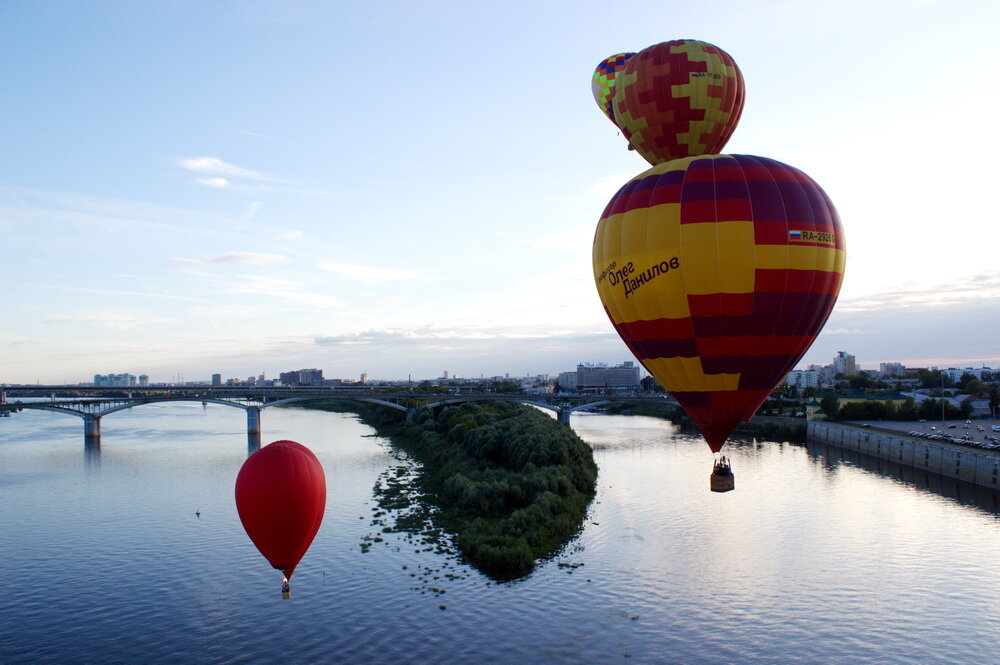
column 718, row 272
column 678, row 99
column 281, row 498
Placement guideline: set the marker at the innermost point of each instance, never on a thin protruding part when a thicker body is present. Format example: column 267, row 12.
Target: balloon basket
column 286, row 589
column 722, row 478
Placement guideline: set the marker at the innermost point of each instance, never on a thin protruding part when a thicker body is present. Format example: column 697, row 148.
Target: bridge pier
column 92, row 430
column 564, row 414
column 410, row 412
column 253, row 429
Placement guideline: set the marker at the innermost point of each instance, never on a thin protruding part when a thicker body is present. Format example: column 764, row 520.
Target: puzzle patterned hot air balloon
column 677, row 99
column 718, row 272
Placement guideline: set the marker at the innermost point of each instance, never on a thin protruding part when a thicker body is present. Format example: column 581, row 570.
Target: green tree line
column 510, row 482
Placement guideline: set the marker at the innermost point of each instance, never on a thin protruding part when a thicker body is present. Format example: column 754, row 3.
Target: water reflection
column 832, row 458
column 92, row 454
column 253, row 443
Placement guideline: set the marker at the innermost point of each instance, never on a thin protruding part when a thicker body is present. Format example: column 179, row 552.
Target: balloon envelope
column 602, row 83
column 718, row 272
column 281, row 497
column 678, row 99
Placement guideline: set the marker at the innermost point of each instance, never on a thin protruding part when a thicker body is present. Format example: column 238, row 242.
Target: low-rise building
column 598, row 377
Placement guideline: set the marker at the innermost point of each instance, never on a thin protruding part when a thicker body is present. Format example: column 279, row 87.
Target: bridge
column 91, row 404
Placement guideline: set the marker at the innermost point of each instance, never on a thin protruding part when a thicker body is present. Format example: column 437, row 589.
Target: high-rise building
column 364, row 377
column 844, row 363
column 216, row 379
column 143, row 380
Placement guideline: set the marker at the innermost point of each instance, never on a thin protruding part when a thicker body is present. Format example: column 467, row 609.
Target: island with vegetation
column 509, row 483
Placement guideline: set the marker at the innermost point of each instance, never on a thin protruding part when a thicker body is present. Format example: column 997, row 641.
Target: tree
column 975, row 387
column 908, row 410
column 860, row 381
column 933, row 378
column 966, row 409
column 650, row 385
column 963, row 380
column 829, row 405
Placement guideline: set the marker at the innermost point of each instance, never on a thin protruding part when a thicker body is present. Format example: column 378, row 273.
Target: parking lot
column 978, row 433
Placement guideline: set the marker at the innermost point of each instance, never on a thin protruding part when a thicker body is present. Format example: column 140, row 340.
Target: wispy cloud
column 236, row 259
column 217, row 183
column 981, row 287
column 113, row 321
column 289, row 235
column 452, row 335
column 285, row 292
column 215, row 166
column 103, row 292
column 371, row 274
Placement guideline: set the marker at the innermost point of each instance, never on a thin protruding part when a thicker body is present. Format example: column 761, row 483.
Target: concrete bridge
column 92, row 404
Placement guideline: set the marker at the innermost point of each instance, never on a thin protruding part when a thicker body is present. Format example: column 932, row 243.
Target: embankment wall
column 981, row 467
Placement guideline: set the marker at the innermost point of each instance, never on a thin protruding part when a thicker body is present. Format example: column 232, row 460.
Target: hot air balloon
column 602, row 83
column 678, row 99
column 280, row 497
column 718, row 272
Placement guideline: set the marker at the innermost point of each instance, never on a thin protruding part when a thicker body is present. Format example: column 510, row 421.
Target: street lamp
column 942, row 397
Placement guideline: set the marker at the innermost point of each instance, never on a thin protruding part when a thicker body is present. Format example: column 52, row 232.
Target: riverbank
column 981, row 467
column 511, row 484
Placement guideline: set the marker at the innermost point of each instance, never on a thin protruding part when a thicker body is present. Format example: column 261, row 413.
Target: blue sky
column 407, row 188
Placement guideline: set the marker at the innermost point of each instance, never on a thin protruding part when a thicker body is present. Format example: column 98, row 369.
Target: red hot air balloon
column 281, row 496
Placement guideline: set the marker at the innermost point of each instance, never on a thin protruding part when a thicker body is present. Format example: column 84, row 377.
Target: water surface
column 817, row 557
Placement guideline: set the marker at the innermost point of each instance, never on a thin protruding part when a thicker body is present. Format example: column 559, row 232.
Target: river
column 817, row 557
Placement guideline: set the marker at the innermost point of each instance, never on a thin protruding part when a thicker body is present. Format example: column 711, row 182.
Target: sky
column 404, row 189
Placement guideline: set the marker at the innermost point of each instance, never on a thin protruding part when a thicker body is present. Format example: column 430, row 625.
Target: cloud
column 215, row 166
column 371, row 274
column 113, row 321
column 217, row 183
column 103, row 292
column 465, row 351
column 431, row 335
column 289, row 235
column 921, row 296
column 236, row 259
column 285, row 292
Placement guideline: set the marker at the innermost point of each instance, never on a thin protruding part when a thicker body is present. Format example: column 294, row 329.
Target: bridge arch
column 525, row 400
column 367, row 400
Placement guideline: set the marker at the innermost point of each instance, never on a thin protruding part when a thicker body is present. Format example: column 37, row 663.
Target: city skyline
column 199, row 190
column 216, row 378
